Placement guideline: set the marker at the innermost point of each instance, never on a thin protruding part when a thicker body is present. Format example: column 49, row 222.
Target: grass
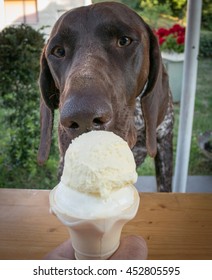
column 46, row 177
column 198, row 164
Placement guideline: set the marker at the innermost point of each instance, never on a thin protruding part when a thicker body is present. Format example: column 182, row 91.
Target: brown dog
column 102, row 68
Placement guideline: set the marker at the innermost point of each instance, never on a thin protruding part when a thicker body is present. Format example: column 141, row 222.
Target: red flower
column 181, row 40
column 171, row 39
column 161, row 40
column 176, row 28
column 162, row 32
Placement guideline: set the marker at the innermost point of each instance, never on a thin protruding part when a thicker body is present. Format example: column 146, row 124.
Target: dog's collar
column 144, row 89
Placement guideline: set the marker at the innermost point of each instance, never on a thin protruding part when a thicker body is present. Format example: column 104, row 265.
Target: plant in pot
column 171, row 43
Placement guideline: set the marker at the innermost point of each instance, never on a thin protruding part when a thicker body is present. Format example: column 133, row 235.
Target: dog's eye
column 124, row 41
column 58, row 51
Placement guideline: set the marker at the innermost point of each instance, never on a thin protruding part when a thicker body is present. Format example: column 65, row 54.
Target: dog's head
column 97, row 60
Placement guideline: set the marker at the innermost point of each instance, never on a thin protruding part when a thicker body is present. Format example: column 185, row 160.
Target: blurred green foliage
column 20, row 49
column 205, row 47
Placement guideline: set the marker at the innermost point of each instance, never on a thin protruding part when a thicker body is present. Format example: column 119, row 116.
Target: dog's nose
column 85, row 115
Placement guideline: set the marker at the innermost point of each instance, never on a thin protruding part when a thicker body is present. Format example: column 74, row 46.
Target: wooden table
column 175, row 226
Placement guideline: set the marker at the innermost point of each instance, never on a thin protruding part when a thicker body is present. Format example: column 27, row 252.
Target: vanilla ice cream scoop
column 98, row 162
column 96, row 195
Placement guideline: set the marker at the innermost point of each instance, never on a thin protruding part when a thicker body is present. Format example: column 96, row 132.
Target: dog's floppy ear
column 155, row 97
column 46, row 124
column 48, row 102
column 49, row 91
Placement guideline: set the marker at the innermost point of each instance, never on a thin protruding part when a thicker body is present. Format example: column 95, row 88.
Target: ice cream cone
column 96, row 194
column 95, row 238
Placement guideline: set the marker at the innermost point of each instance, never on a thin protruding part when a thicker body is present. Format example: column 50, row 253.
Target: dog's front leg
column 164, row 163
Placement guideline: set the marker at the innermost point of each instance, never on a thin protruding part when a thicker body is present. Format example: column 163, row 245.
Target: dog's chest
column 139, row 150
column 163, row 128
